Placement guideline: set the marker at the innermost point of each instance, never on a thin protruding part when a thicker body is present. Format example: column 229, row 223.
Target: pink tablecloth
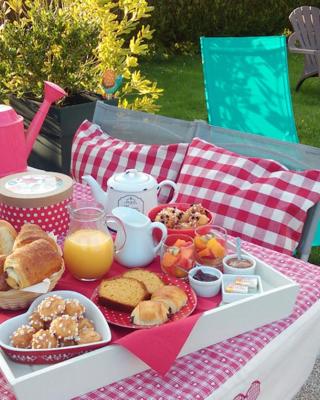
column 198, row 374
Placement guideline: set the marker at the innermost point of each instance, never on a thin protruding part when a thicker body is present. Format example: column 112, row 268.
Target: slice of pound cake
column 150, row 279
column 122, row 294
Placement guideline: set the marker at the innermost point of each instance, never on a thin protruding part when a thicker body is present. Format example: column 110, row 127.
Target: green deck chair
column 247, row 86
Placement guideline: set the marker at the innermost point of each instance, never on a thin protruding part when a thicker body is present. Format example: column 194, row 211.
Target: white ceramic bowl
column 227, row 269
column 49, row 356
column 205, row 289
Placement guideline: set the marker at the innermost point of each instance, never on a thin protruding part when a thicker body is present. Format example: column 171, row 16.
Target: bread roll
column 149, row 313
column 31, row 232
column 174, row 297
column 7, row 237
column 3, row 284
column 31, row 264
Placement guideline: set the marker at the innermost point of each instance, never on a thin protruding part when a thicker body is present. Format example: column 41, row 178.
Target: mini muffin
column 88, row 336
column 84, row 324
column 36, row 321
column 197, row 219
column 44, row 339
column 22, row 337
column 64, row 327
column 67, row 343
column 74, row 308
column 51, row 307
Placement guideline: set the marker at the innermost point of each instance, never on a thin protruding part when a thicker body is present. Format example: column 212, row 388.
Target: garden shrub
column 182, row 21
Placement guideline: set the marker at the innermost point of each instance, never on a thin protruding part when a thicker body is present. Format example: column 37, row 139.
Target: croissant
column 31, row 232
column 149, row 312
column 7, row 237
column 172, row 296
column 31, row 264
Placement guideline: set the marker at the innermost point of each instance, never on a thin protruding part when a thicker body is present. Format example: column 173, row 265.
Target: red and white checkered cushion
column 257, row 199
column 96, row 153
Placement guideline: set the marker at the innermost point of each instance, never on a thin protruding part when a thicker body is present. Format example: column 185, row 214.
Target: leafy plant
column 73, row 43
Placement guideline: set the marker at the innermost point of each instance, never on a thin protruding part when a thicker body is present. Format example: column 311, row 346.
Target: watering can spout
column 52, row 93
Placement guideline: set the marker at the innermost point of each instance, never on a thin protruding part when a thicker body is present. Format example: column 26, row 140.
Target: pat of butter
column 233, row 288
column 252, row 283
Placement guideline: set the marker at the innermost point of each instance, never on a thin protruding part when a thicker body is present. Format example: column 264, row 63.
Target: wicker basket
column 18, row 299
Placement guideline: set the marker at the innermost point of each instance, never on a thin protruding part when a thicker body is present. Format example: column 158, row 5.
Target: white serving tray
column 101, row 367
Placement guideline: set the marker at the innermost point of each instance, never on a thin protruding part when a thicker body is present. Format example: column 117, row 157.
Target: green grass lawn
column 182, row 80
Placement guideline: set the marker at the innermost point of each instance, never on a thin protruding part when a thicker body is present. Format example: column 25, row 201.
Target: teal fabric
column 247, row 86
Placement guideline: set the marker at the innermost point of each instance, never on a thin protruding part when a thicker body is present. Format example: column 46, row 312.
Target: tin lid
column 35, row 188
column 131, row 181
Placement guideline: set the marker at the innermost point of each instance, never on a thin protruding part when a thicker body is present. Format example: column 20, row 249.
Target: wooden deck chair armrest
column 301, row 50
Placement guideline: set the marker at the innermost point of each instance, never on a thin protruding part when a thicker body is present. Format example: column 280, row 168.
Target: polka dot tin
column 36, row 197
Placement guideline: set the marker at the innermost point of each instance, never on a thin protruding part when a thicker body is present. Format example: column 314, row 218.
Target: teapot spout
column 99, row 195
column 52, row 93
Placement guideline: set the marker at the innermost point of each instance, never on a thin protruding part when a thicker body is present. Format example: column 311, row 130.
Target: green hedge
column 178, row 21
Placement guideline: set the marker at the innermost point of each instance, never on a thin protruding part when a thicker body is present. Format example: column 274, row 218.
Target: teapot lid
column 8, row 115
column 131, row 180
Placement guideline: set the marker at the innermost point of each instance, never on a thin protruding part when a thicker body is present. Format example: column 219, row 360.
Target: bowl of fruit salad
column 177, row 255
column 210, row 244
column 181, row 218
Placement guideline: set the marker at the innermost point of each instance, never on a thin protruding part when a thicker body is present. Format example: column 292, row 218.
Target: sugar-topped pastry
column 51, row 307
column 197, row 219
column 88, row 336
column 36, row 321
column 74, row 308
column 22, row 337
column 84, row 324
column 44, row 339
column 67, row 343
column 174, row 218
column 197, row 208
column 64, row 327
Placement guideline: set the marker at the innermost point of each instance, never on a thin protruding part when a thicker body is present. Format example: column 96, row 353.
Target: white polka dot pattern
column 53, row 218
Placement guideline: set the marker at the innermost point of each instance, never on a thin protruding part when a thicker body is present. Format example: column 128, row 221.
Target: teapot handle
column 164, row 234
column 167, row 182
column 111, row 218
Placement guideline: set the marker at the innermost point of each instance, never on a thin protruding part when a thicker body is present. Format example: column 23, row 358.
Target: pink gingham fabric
column 257, row 199
column 96, row 153
column 197, row 375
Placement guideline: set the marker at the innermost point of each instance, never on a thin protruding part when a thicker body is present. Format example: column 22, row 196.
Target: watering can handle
column 159, row 225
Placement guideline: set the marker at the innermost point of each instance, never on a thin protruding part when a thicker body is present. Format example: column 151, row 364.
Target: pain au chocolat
column 31, row 264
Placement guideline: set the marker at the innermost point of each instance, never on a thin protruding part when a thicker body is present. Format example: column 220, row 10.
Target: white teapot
column 131, row 188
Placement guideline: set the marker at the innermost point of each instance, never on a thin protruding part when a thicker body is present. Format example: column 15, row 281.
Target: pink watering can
column 15, row 143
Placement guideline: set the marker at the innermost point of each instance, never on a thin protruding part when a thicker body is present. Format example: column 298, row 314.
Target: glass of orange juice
column 88, row 248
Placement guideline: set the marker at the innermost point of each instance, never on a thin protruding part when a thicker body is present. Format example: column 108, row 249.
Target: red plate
column 121, row 318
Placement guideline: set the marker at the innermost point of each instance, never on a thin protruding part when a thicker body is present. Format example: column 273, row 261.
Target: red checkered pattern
column 96, row 153
column 197, row 375
column 257, row 199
